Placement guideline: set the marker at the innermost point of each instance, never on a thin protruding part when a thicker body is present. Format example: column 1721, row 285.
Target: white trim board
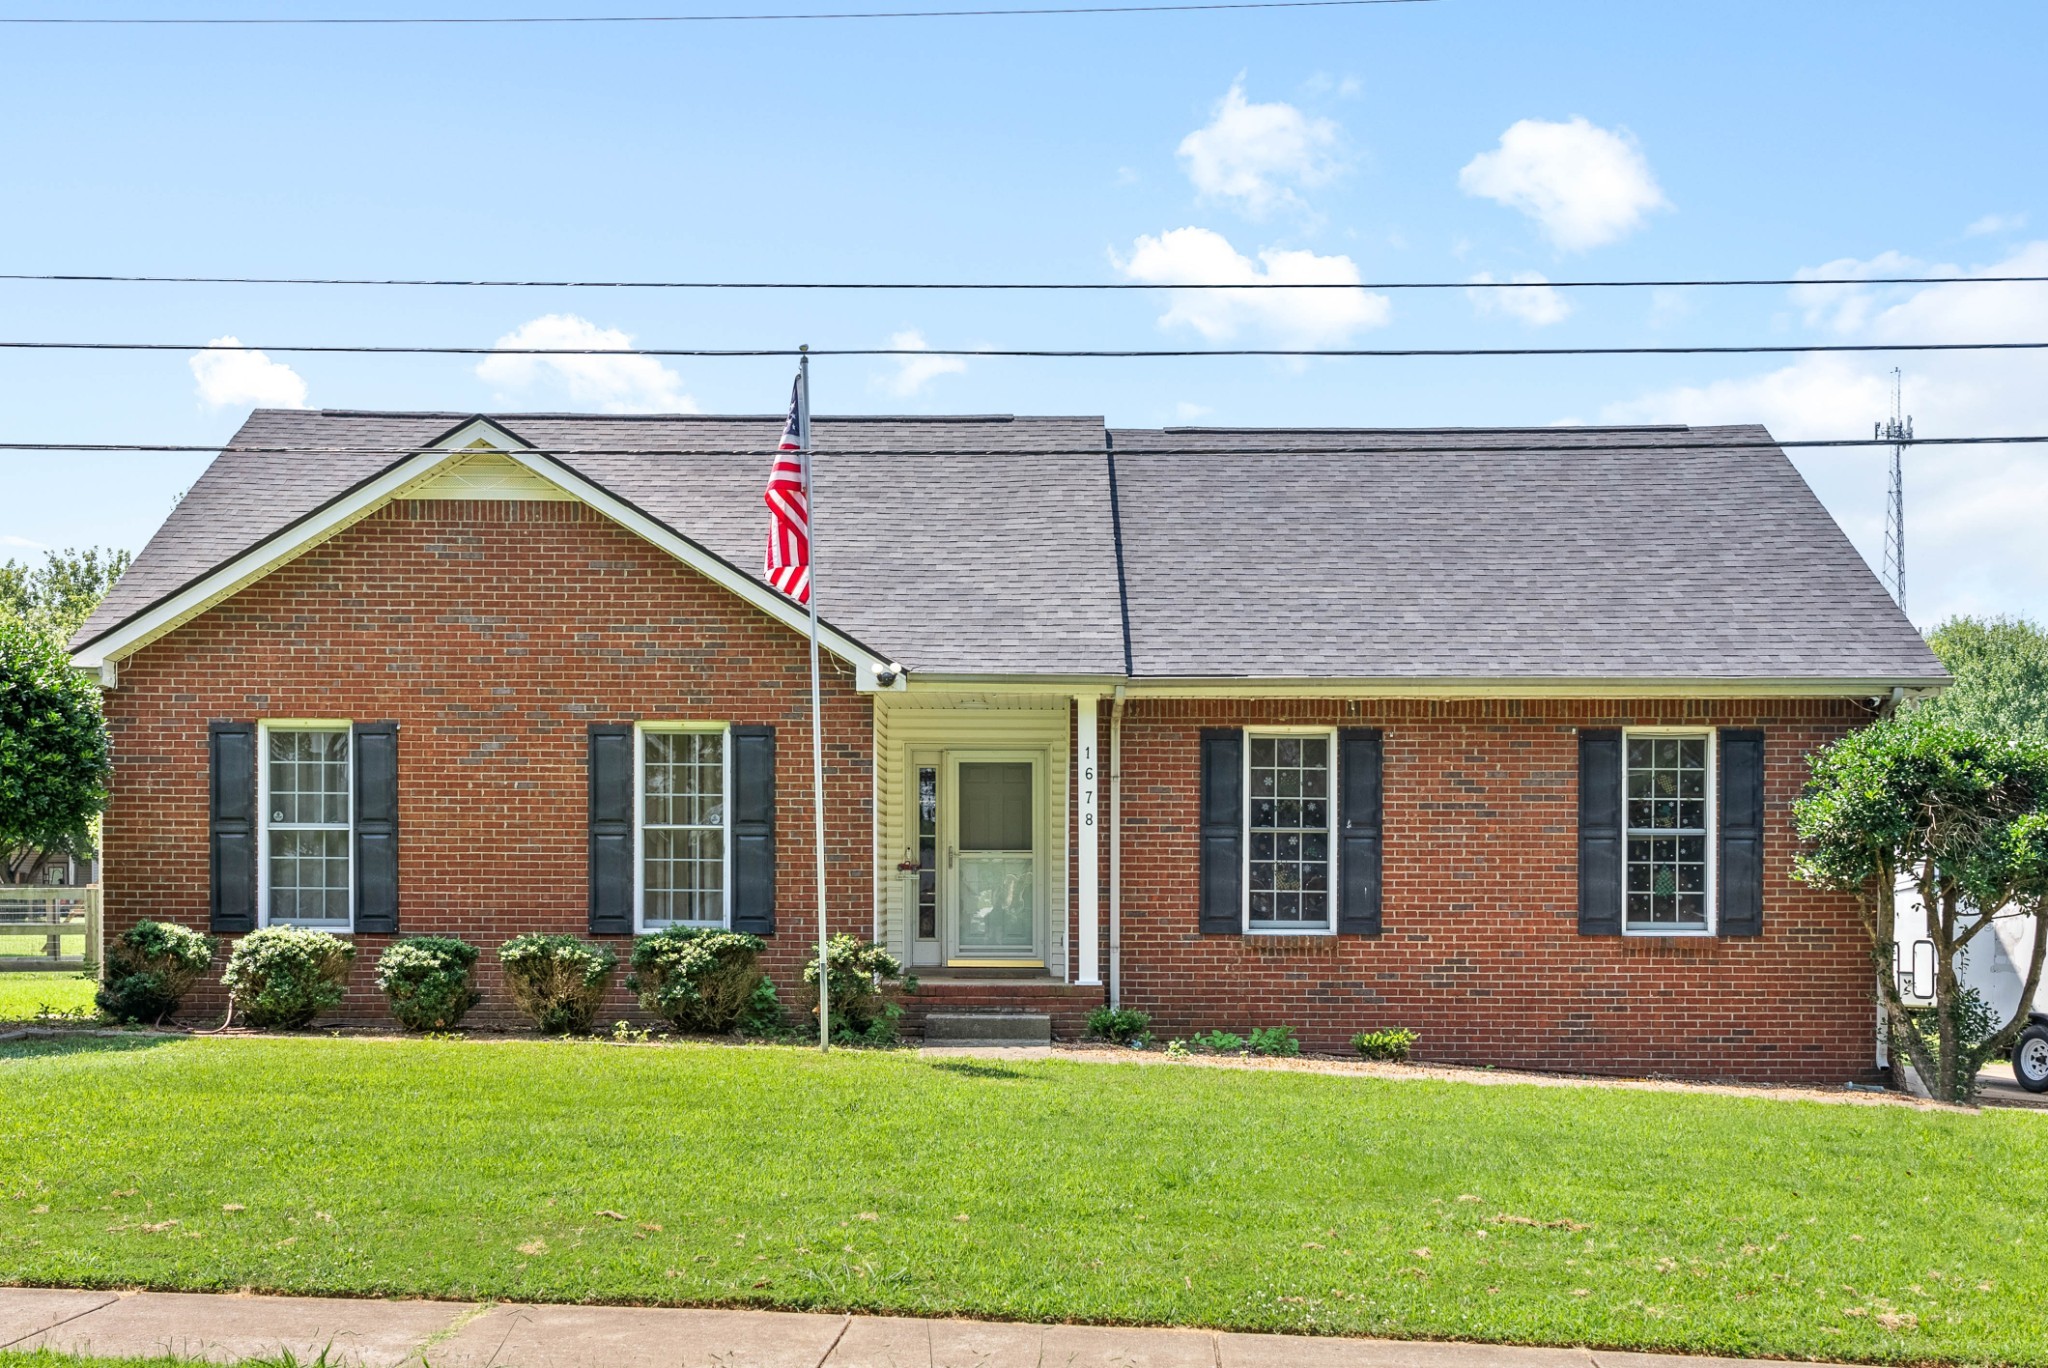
column 394, row 483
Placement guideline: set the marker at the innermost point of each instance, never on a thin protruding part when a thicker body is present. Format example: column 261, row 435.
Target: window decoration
column 1668, row 814
column 1288, row 828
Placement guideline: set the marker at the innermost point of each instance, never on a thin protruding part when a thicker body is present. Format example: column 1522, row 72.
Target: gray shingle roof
column 1641, row 553
column 986, row 545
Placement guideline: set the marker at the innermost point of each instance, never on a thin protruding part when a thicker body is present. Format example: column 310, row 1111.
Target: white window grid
column 1299, row 859
column 1675, row 847
column 316, row 839
column 695, row 830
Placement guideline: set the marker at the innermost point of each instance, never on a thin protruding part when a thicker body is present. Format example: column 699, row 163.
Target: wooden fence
column 44, row 928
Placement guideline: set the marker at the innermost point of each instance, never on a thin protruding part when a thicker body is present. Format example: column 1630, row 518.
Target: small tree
column 59, row 597
column 53, row 748
column 2000, row 666
column 1963, row 817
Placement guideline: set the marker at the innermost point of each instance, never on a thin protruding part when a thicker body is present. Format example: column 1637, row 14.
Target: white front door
column 993, row 881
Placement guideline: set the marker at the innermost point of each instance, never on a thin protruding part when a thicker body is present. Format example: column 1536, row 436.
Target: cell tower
column 1898, row 431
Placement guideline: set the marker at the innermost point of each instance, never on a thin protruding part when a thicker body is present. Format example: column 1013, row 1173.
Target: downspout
column 1116, row 848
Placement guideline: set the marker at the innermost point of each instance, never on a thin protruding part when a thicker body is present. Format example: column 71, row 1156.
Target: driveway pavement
column 416, row 1334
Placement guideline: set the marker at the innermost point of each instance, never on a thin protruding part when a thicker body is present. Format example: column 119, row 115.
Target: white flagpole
column 803, row 419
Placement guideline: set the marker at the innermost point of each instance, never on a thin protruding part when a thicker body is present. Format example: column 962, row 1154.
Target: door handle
column 952, row 856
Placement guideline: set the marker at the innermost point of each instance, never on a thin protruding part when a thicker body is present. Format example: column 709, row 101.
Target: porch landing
column 1066, row 1005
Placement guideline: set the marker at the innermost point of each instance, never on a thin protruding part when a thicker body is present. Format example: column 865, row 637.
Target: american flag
column 789, row 509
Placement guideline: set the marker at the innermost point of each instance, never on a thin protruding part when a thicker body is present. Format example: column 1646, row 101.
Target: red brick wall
column 493, row 633
column 1480, row 951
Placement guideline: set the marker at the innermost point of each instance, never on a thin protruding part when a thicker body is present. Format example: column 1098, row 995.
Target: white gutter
column 1116, row 848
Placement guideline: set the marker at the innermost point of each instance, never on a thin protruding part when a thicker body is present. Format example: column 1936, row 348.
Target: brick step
column 1065, row 1005
column 987, row 1027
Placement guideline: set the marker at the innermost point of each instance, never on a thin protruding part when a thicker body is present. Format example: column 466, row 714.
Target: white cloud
column 1992, row 224
column 1188, row 413
column 1539, row 305
column 23, row 543
column 1973, row 515
column 240, row 376
column 616, row 384
column 1255, row 154
column 1300, row 317
column 913, row 373
column 1847, row 309
column 1587, row 186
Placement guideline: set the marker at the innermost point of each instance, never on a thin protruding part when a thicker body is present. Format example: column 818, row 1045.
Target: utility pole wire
column 1361, row 449
column 1049, row 353
column 198, row 21
column 1105, row 286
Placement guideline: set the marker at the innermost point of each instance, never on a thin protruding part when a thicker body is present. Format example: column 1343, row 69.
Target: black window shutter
column 1222, row 831
column 1600, row 839
column 376, row 833
column 1741, row 892
column 231, row 818
column 1358, row 843
column 611, row 830
column 753, row 830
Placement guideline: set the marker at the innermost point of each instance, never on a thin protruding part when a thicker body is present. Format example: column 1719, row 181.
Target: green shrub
column 1273, row 1040
column 701, row 979
column 1391, row 1044
column 861, row 973
column 150, row 968
column 1218, row 1042
column 1121, row 1025
column 430, row 981
column 557, row 981
column 285, row 976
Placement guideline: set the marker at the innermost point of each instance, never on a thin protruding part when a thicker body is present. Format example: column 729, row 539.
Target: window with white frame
column 684, row 784
column 307, row 873
column 1669, row 787
column 1289, row 854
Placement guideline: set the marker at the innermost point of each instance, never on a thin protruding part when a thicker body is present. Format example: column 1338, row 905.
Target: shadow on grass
column 968, row 1068
column 45, row 1046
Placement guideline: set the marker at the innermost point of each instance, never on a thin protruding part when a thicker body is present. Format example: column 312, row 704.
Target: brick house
column 1490, row 733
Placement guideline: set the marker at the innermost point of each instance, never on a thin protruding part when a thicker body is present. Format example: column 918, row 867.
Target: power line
column 906, row 285
column 1479, row 444
column 1049, row 353
column 419, row 20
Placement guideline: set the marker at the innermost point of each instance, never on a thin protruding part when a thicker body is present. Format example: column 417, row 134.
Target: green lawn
column 23, row 995
column 1043, row 1190
column 37, row 943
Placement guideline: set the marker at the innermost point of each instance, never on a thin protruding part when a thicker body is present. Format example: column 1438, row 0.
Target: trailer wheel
column 2030, row 1059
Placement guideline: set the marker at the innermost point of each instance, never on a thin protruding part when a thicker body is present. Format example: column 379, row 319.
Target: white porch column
column 1087, row 783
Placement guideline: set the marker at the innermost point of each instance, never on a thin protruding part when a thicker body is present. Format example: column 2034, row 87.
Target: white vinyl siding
column 306, row 872
column 682, row 824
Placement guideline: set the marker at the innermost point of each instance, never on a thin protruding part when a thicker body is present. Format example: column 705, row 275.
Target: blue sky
column 1428, row 141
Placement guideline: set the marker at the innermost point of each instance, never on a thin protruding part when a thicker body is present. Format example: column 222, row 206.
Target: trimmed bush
column 150, row 968
column 860, row 974
column 1121, row 1026
column 430, row 981
column 1391, row 1044
column 557, row 981
column 284, row 976
column 701, row 979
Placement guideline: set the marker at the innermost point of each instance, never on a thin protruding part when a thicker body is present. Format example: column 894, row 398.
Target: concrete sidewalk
column 422, row 1334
